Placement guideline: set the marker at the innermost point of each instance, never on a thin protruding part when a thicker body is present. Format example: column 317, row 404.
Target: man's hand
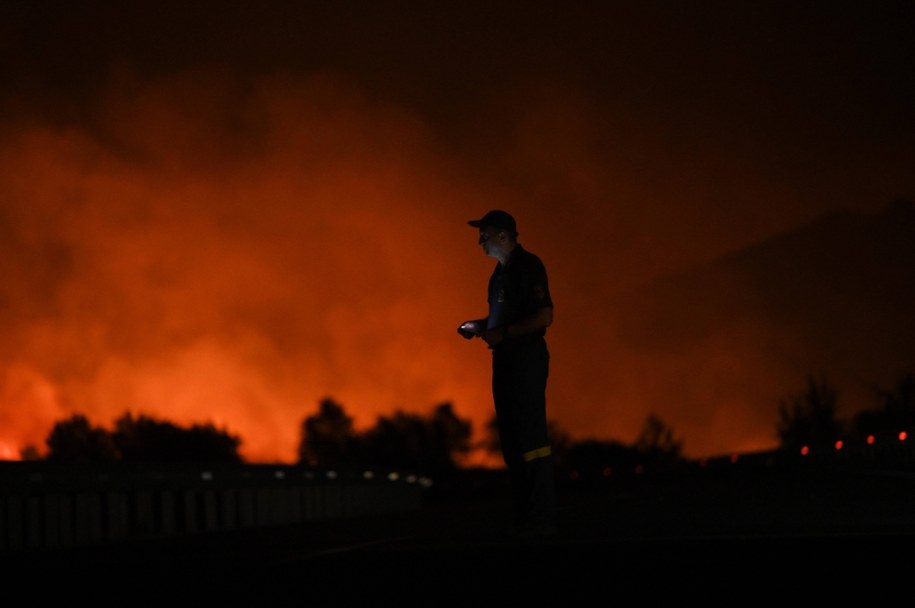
column 493, row 335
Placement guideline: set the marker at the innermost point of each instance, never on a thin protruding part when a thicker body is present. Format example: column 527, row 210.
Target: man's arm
column 541, row 319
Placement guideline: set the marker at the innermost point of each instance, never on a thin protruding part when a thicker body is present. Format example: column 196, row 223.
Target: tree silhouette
column 598, row 458
column 426, row 445
column 147, row 439
column 490, row 440
column 422, row 444
column 899, row 403
column 656, row 442
column 140, row 439
column 809, row 418
column 895, row 410
column 30, row 452
column 75, row 439
column 328, row 439
column 452, row 433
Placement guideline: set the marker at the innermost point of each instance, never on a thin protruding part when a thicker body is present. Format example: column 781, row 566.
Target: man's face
column 493, row 241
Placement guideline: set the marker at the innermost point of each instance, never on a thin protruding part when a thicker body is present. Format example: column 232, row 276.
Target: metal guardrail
column 48, row 505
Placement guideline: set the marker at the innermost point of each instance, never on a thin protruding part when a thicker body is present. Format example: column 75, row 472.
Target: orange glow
column 239, row 275
column 213, row 248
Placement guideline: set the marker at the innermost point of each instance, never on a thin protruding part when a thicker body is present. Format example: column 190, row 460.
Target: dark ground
column 736, row 541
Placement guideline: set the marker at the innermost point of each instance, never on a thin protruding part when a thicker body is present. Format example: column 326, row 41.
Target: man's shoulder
column 522, row 256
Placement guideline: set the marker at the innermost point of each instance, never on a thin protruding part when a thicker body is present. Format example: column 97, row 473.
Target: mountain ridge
column 717, row 346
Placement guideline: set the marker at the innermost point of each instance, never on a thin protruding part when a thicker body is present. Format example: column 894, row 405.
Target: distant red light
column 839, row 444
column 870, row 440
column 805, row 450
column 607, row 472
column 735, row 458
column 903, row 435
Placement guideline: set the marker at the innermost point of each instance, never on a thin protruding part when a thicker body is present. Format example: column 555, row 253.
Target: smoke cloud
column 203, row 230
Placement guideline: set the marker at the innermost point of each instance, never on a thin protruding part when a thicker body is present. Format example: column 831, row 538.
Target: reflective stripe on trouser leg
column 538, row 453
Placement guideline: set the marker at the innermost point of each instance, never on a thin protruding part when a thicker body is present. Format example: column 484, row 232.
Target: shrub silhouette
column 140, row 439
column 75, row 439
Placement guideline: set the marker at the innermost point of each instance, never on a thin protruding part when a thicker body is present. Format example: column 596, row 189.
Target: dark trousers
column 519, row 377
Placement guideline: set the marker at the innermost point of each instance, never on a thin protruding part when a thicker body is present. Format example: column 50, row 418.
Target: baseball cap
column 497, row 219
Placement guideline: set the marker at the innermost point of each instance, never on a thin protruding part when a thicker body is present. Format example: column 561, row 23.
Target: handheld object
column 468, row 330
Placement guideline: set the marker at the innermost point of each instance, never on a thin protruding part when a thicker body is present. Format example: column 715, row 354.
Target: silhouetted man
column 520, row 310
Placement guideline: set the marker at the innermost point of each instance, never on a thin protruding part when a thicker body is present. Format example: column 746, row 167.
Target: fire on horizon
column 232, row 221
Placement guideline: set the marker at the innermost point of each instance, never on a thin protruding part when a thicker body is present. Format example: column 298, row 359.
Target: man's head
column 498, row 219
column 498, row 233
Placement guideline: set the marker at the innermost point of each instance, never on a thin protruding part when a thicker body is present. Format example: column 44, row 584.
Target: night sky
column 228, row 211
